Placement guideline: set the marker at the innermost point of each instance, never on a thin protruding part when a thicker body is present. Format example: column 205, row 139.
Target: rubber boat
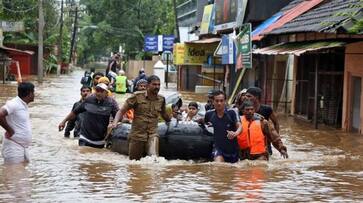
column 179, row 140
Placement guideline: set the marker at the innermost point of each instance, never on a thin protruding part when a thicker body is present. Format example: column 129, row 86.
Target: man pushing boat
column 147, row 105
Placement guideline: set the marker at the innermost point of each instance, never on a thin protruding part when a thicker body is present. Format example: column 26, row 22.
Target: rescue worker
column 97, row 109
column 254, row 94
column 76, row 123
column 256, row 131
column 121, row 82
column 147, row 105
column 105, row 81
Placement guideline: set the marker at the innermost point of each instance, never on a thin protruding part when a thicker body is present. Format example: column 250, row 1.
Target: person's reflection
column 16, row 183
column 249, row 183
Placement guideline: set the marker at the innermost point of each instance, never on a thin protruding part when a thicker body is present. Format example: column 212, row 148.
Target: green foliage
column 358, row 21
column 27, row 11
column 50, row 64
column 122, row 22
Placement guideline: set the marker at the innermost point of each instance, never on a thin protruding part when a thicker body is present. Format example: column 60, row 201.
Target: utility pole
column 60, row 40
column 40, row 41
column 74, row 34
column 177, row 38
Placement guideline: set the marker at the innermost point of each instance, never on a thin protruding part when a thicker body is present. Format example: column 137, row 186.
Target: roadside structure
column 200, row 63
column 309, row 62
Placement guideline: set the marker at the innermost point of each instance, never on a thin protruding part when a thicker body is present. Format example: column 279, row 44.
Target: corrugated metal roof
column 297, row 8
column 327, row 17
column 297, row 48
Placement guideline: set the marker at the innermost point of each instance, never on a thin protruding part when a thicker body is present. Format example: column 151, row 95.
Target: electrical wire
column 20, row 11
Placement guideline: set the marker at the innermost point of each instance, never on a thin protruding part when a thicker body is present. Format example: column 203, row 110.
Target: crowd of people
column 245, row 130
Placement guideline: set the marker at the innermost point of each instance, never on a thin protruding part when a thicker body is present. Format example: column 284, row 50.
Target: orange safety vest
column 252, row 137
column 130, row 114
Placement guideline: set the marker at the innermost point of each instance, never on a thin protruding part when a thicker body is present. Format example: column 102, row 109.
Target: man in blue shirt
column 226, row 128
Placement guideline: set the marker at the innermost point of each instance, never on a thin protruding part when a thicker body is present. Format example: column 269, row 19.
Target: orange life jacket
column 252, row 137
column 130, row 114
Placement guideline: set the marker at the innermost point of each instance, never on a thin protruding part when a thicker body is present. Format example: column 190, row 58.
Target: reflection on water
column 324, row 165
column 15, row 183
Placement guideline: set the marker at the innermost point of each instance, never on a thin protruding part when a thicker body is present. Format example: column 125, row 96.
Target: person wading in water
column 14, row 118
column 257, row 132
column 226, row 128
column 147, row 105
column 97, row 109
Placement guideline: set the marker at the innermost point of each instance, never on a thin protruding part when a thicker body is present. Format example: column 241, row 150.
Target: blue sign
column 168, row 42
column 151, row 43
column 156, row 43
column 228, row 50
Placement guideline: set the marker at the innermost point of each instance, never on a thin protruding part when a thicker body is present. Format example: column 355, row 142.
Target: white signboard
column 7, row 26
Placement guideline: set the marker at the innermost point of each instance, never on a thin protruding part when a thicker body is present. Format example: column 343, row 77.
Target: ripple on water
column 323, row 165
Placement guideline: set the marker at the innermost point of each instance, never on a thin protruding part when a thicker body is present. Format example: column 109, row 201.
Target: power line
column 20, row 11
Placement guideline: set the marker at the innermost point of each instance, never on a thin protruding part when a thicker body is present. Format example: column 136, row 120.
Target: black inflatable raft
column 182, row 140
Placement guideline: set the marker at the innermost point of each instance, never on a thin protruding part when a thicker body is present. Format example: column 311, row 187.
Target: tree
column 122, row 22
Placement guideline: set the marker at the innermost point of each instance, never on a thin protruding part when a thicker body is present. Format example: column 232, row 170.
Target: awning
column 16, row 50
column 205, row 41
column 297, row 48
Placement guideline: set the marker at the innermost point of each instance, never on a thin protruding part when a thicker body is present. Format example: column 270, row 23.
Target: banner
column 197, row 54
column 229, row 13
column 193, row 53
column 168, row 42
column 244, row 47
column 179, row 53
column 228, row 50
column 158, row 43
column 151, row 43
column 206, row 21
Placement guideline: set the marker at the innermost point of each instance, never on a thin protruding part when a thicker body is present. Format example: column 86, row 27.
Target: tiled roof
column 326, row 17
column 291, row 5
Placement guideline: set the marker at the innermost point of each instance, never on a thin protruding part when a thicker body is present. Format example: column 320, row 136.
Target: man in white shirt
column 14, row 118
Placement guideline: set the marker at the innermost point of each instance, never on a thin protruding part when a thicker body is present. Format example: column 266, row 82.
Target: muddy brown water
column 324, row 165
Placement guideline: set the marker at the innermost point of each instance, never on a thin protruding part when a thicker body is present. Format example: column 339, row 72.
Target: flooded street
column 322, row 166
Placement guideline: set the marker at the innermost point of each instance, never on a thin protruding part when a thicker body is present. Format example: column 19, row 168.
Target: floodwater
column 324, row 165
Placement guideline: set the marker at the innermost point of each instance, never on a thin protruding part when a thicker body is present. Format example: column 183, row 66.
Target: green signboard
column 244, row 47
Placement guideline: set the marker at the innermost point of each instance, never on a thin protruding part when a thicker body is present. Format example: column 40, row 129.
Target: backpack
column 86, row 79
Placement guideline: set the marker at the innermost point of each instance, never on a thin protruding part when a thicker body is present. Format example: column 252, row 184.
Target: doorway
column 355, row 111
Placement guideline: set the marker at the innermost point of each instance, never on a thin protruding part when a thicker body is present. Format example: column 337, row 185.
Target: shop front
column 352, row 100
column 195, row 63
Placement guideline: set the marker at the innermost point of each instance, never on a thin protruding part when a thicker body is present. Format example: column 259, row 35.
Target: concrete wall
column 133, row 67
column 353, row 68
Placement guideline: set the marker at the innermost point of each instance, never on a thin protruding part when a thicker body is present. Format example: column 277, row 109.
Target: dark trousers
column 139, row 149
column 82, row 142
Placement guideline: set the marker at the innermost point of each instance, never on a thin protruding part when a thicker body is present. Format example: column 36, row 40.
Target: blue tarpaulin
column 266, row 24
